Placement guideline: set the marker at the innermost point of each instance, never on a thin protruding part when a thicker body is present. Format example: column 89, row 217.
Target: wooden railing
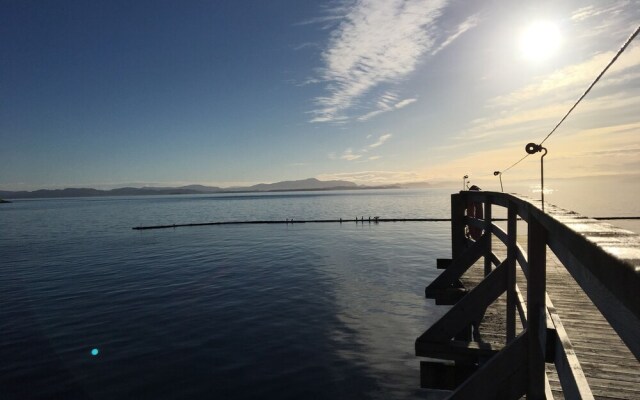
column 603, row 260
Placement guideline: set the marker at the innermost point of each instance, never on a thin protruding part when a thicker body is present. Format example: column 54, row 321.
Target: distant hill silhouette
column 305, row 184
column 299, row 185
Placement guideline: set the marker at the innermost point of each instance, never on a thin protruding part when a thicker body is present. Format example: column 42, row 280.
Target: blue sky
column 113, row 93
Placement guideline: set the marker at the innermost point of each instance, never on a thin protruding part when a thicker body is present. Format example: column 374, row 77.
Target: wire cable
column 613, row 60
column 622, row 49
column 515, row 163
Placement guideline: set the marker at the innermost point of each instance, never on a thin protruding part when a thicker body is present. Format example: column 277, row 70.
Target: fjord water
column 234, row 312
column 251, row 311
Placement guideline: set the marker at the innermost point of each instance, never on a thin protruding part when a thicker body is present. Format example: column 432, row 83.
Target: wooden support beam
column 512, row 297
column 468, row 310
column 503, row 377
column 458, row 267
column 444, row 375
column 448, row 296
column 459, row 350
column 520, row 305
column 488, row 224
column 443, row 263
column 536, row 310
column 521, row 255
column 458, row 239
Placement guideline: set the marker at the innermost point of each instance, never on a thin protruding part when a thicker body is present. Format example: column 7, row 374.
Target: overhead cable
column 613, row 60
column 622, row 49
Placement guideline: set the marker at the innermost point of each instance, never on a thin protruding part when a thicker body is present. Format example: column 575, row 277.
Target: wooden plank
column 512, row 296
column 457, row 267
column 443, row 263
column 574, row 383
column 521, row 255
column 536, row 309
column 521, row 306
column 447, row 296
column 442, row 375
column 468, row 310
column 622, row 319
column 487, row 230
column 458, row 350
column 608, row 366
column 458, row 240
column 502, row 377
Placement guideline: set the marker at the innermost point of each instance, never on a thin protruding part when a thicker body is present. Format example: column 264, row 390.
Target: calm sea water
column 234, row 312
column 319, row 311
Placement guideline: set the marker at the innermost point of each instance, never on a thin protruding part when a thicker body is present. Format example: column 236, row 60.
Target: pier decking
column 610, row 369
column 573, row 351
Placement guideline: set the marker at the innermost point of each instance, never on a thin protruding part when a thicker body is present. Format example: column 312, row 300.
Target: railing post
column 458, row 240
column 536, row 309
column 487, row 231
column 512, row 232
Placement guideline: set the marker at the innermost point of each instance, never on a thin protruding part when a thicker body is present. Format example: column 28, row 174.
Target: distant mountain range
column 300, row 185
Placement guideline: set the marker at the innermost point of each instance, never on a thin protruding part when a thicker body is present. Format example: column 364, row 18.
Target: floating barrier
column 361, row 220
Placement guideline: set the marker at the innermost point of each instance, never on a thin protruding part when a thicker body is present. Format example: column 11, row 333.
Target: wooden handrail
column 604, row 260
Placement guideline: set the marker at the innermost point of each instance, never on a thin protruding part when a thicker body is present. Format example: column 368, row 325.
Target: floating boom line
column 320, row 221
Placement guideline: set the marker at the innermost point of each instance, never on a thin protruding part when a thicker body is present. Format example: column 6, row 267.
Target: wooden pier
column 566, row 324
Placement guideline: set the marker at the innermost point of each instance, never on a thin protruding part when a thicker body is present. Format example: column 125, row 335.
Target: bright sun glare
column 540, row 40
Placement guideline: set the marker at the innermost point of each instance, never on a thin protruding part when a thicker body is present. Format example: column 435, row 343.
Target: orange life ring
column 475, row 210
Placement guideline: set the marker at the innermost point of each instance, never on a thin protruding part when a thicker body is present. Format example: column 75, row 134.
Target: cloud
column 349, row 155
column 381, row 140
column 469, row 23
column 579, row 152
column 577, row 77
column 591, row 11
column 543, row 118
column 387, row 102
column 305, row 45
column 374, row 177
column 533, row 110
column 404, row 103
column 322, row 20
column 376, row 42
column 608, row 19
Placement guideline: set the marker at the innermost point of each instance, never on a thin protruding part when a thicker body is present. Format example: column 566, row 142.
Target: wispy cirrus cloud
column 469, row 23
column 376, row 42
column 350, row 155
column 576, row 77
column 541, row 119
column 381, row 140
column 591, row 11
column 374, row 176
column 609, row 18
column 387, row 102
column 537, row 106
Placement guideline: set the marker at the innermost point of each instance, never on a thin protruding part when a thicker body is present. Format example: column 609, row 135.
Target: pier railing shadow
column 603, row 260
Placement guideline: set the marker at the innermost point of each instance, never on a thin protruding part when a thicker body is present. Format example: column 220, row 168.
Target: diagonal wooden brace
column 468, row 310
column 449, row 277
column 502, row 377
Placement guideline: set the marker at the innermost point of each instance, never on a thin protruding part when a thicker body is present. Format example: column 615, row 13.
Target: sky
column 113, row 93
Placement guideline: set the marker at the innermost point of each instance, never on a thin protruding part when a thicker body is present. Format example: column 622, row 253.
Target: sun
column 540, row 40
